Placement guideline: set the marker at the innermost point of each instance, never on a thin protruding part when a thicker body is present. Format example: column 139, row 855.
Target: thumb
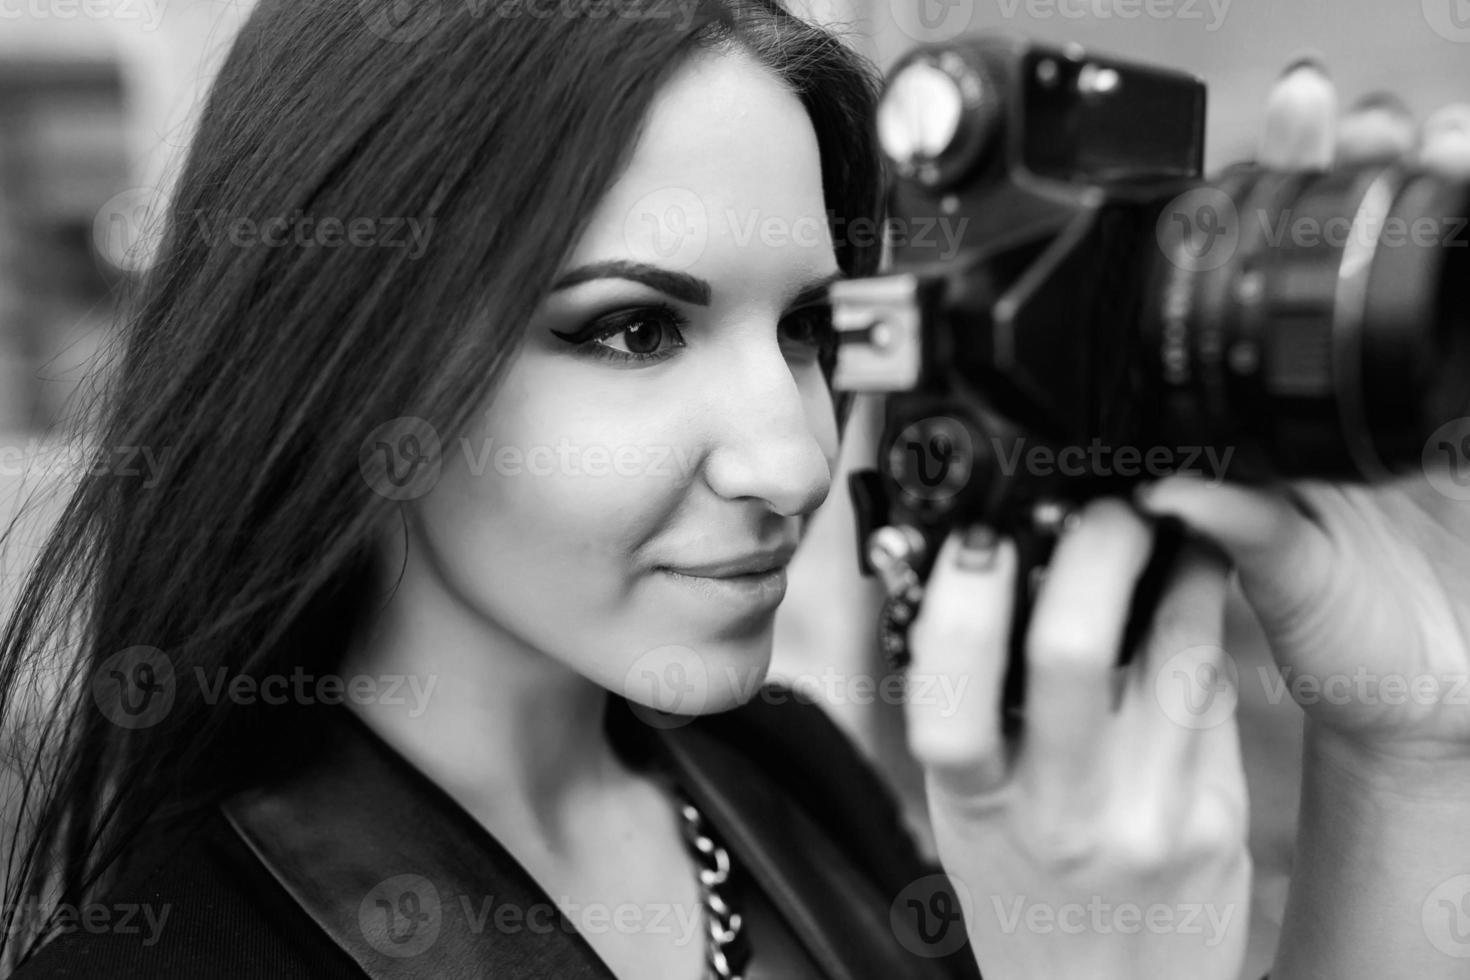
column 1282, row 555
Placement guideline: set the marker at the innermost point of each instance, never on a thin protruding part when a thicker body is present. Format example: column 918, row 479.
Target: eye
column 649, row 333
column 642, row 331
column 810, row 330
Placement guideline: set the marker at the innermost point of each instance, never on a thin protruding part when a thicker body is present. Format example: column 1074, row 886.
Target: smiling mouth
column 749, row 591
column 755, row 571
column 751, row 575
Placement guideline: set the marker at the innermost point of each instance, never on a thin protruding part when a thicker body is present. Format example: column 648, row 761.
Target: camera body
column 1109, row 317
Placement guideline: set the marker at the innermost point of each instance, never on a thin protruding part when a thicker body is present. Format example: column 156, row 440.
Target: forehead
column 726, row 173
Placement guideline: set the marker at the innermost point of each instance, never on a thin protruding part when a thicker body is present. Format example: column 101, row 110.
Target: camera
column 1109, row 316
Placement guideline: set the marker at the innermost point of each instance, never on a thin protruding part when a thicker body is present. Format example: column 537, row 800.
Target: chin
column 682, row 679
column 742, row 689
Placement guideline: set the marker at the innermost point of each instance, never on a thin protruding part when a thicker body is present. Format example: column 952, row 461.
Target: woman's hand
column 1364, row 594
column 1361, row 590
column 1110, row 839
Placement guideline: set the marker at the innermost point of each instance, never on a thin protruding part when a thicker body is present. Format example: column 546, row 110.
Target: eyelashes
column 654, row 332
column 644, row 327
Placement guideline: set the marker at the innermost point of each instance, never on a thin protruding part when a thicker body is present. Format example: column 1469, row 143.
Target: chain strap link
column 726, row 949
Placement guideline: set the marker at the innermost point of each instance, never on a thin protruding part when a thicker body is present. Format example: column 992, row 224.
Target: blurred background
column 96, row 103
column 96, row 99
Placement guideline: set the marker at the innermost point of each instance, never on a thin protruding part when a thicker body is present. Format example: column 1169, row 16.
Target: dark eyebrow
column 680, row 285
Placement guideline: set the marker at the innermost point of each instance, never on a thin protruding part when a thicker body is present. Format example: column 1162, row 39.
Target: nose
column 774, row 438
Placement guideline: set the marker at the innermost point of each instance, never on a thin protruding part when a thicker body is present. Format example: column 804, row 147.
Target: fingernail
column 1385, row 102
column 978, row 547
column 1452, row 119
column 1379, row 128
column 1446, row 147
column 1308, row 58
column 1301, row 112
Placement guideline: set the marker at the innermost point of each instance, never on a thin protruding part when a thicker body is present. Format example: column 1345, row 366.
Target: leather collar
column 409, row 885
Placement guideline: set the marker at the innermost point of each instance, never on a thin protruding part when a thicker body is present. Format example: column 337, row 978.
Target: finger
column 1301, row 115
column 1446, row 143
column 1166, row 771
column 1215, row 791
column 1181, row 686
column 1178, row 717
column 962, row 634
column 1378, row 129
column 1219, row 766
column 1279, row 551
column 1196, row 816
column 1072, row 645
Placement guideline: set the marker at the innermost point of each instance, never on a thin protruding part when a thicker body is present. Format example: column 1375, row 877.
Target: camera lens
column 1319, row 319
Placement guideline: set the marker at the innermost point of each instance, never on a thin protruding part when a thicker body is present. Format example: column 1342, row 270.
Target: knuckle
column 928, row 637
column 1141, row 847
column 1213, row 830
column 937, row 631
column 1189, row 615
column 1174, row 628
column 1067, row 644
column 948, row 747
column 1061, row 841
column 1116, row 520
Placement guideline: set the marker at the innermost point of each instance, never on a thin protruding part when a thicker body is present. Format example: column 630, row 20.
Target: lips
column 754, row 562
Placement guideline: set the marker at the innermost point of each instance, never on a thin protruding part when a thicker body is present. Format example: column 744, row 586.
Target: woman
column 498, row 627
column 350, row 704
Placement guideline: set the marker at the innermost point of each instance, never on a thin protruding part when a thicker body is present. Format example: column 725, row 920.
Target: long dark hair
column 256, row 373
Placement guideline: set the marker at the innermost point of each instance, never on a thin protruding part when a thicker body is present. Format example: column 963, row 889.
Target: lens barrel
column 1316, row 319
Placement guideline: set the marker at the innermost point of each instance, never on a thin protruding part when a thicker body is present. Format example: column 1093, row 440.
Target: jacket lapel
column 401, row 878
column 409, row 885
column 836, row 912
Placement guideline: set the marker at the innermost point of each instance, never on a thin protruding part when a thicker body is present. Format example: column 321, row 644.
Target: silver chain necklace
column 725, row 948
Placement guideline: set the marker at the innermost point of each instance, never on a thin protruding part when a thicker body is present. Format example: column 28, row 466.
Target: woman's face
column 667, row 428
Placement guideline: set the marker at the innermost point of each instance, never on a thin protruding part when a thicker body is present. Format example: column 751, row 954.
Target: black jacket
column 357, row 865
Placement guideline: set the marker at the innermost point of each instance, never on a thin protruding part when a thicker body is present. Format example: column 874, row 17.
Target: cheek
column 537, row 520
column 555, row 486
column 550, row 509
